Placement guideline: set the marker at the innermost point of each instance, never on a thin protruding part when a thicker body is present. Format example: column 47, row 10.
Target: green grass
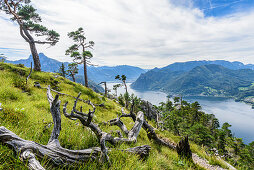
column 26, row 113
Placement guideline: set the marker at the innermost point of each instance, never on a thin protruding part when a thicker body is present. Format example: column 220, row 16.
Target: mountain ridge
column 204, row 80
column 96, row 74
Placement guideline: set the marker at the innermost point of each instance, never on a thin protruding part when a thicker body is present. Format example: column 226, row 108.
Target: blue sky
column 217, row 8
column 144, row 33
column 220, row 8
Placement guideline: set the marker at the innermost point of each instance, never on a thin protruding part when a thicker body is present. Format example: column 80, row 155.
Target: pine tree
column 25, row 15
column 81, row 56
column 62, row 70
column 72, row 70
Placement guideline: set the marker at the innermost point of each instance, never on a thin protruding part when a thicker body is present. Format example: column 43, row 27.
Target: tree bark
column 37, row 64
column 29, row 73
column 73, row 77
column 59, row 155
column 85, row 72
column 183, row 148
column 149, row 129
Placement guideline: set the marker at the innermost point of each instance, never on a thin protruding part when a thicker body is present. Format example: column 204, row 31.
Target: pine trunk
column 85, row 73
column 73, row 77
column 37, row 64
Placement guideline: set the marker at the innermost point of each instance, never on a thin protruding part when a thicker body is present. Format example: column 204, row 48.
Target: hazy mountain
column 105, row 73
column 52, row 65
column 95, row 74
column 47, row 64
column 187, row 66
column 201, row 80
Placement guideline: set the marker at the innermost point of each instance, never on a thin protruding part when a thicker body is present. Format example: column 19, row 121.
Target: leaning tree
column 25, row 15
column 79, row 51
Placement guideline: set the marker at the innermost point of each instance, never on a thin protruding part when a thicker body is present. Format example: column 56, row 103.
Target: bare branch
column 49, row 95
column 33, row 163
column 30, row 72
column 55, row 112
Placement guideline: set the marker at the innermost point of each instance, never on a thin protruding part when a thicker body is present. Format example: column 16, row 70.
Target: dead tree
column 148, row 128
column 183, row 148
column 103, row 137
column 105, row 85
column 29, row 73
column 27, row 150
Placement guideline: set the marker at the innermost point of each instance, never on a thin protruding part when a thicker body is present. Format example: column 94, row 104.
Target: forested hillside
column 206, row 80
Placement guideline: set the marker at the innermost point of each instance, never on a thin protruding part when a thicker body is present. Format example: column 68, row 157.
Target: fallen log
column 29, row 150
column 151, row 134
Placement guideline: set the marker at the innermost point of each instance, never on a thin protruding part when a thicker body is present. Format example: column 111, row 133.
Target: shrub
column 13, row 115
column 7, row 93
column 20, row 83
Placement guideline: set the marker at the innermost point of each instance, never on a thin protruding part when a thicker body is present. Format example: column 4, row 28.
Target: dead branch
column 103, row 137
column 37, row 84
column 148, row 128
column 27, row 150
column 29, row 73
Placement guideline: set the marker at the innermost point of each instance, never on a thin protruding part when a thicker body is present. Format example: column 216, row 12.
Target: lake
column 238, row 114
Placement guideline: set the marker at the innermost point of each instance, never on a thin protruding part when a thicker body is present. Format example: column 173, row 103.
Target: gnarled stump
column 183, row 148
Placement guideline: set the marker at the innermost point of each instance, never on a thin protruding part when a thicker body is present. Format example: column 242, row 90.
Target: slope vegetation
column 26, row 113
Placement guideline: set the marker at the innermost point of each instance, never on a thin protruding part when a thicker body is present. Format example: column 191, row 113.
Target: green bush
column 8, row 93
column 13, row 116
column 20, row 83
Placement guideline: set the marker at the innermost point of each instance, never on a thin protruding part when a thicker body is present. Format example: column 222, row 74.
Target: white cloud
column 144, row 33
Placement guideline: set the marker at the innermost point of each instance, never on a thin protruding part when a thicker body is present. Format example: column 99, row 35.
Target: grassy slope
column 27, row 114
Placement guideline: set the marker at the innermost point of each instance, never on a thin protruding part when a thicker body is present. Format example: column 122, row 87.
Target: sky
column 143, row 33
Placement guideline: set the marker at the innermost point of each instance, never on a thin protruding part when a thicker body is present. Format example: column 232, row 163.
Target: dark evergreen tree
column 126, row 94
column 72, row 70
column 62, row 70
column 115, row 87
column 26, row 17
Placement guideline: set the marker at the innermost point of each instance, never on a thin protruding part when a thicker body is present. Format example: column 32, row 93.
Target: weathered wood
column 61, row 156
column 29, row 73
column 105, row 85
column 117, row 121
column 29, row 157
column 86, row 120
column 142, row 151
column 55, row 112
column 148, row 128
column 183, row 148
column 55, row 154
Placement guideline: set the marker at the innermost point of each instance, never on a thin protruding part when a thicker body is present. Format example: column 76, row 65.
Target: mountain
column 211, row 80
column 187, row 66
column 105, row 73
column 96, row 74
column 47, row 64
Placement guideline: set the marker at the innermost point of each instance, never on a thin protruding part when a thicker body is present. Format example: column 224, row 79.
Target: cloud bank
column 144, row 33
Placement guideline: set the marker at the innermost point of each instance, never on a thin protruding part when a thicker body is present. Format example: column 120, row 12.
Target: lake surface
column 238, row 114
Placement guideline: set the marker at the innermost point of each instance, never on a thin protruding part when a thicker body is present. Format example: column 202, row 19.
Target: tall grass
column 28, row 115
